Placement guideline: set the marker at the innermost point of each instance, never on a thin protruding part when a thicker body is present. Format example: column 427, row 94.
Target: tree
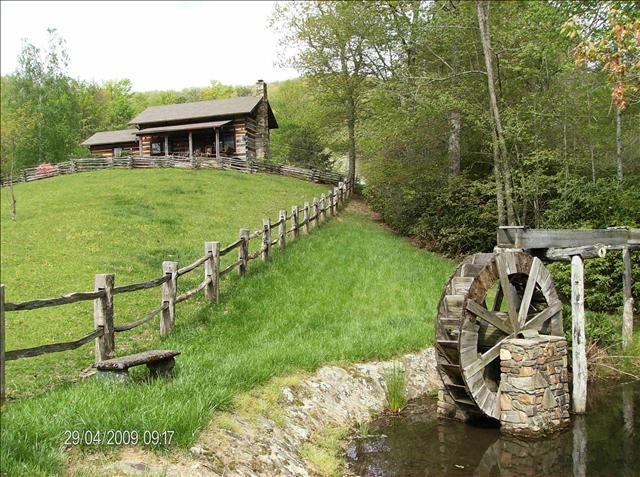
column 329, row 37
column 502, row 166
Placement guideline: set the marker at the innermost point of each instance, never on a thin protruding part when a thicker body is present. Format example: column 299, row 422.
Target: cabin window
column 156, row 148
column 117, row 151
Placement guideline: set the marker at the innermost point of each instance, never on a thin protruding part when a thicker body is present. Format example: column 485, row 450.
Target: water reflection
column 603, row 443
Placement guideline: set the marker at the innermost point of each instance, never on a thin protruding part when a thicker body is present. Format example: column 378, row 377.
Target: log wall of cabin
column 106, row 150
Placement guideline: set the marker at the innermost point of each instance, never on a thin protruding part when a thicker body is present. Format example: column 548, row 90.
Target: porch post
column 190, row 144
column 166, row 145
column 217, row 143
column 140, row 144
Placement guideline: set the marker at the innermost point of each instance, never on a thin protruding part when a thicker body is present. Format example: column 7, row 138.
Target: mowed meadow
column 351, row 291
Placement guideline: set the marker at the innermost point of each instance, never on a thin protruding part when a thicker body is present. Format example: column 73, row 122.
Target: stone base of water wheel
column 534, row 385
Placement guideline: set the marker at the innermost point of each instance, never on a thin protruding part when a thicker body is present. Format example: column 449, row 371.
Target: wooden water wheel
column 489, row 298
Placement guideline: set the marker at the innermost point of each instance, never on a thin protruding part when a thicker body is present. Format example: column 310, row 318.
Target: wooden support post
column 243, row 251
column 266, row 238
column 166, row 145
column 140, row 149
column 212, row 270
column 305, row 216
column 282, row 230
column 190, row 144
column 169, row 290
column 218, row 143
column 103, row 317
column 294, row 221
column 332, row 205
column 340, row 193
column 323, row 206
column 2, row 341
column 316, row 212
column 627, row 314
column 579, row 356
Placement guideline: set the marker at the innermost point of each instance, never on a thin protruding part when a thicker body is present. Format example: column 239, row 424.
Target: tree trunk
column 454, row 118
column 351, row 127
column 454, row 142
column 500, row 148
column 593, row 159
column 619, row 143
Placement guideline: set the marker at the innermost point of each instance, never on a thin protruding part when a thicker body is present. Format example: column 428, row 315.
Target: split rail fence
column 73, row 166
column 270, row 235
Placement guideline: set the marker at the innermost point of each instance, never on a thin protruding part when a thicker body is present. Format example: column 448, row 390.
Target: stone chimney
column 262, row 123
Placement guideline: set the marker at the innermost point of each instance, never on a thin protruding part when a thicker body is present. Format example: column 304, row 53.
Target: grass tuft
column 395, row 388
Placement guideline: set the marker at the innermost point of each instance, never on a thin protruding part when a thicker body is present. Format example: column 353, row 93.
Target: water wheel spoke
column 528, row 291
column 508, row 290
column 489, row 316
column 483, row 360
column 540, row 318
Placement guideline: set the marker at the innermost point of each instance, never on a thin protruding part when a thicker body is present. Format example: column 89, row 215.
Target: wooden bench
column 159, row 362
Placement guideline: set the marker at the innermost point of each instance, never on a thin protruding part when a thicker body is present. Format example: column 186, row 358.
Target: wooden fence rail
column 73, row 166
column 105, row 289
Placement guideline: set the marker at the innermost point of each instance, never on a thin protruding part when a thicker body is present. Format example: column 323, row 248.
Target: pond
column 603, row 443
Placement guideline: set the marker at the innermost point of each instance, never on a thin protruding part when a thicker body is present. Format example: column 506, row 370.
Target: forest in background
column 456, row 115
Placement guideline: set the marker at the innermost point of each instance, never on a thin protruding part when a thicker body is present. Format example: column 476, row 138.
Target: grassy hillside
column 350, row 292
column 123, row 222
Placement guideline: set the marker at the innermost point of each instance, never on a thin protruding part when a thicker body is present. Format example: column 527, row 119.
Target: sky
column 157, row 45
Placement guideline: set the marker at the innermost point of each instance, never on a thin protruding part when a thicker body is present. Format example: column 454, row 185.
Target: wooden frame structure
column 576, row 246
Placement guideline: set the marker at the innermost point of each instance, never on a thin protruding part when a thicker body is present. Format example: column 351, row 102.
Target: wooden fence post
column 340, row 193
column 627, row 315
column 323, row 205
column 294, row 221
column 332, row 204
column 316, row 213
column 212, row 270
column 2, row 330
column 169, row 290
column 266, row 238
column 579, row 356
column 305, row 215
column 282, row 230
column 243, row 252
column 103, row 317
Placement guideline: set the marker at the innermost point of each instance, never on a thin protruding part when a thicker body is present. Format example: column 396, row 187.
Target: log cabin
column 233, row 127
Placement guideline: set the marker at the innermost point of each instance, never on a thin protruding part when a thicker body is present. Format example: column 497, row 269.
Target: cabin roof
column 197, row 110
column 182, row 127
column 111, row 137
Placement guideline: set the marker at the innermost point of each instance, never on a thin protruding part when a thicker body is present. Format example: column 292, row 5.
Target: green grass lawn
column 350, row 292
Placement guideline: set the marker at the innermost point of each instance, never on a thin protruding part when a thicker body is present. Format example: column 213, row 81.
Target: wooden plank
column 579, row 355
column 169, row 288
column 627, row 287
column 528, row 291
column 126, row 362
column 62, row 300
column 193, row 265
column 103, row 317
column 54, row 347
column 512, row 237
column 189, row 293
column 481, row 312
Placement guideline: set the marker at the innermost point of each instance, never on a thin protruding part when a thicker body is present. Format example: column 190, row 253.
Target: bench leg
column 161, row 368
column 115, row 376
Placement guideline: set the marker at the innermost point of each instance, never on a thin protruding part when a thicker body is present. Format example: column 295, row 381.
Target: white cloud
column 158, row 45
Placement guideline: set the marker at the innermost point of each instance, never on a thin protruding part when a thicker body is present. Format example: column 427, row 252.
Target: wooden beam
column 103, row 317
column 190, row 144
column 627, row 315
column 518, row 237
column 507, row 289
column 217, row 143
column 169, row 290
column 166, row 145
column 579, row 355
column 528, row 291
